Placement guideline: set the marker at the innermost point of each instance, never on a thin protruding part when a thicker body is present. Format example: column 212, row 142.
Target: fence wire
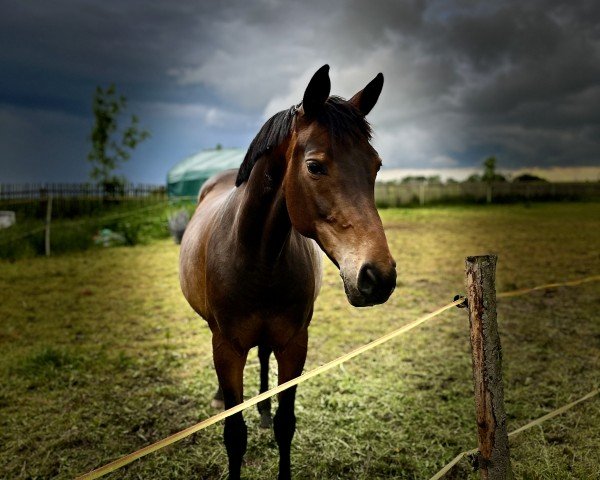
column 121, row 462
column 529, row 425
column 127, row 459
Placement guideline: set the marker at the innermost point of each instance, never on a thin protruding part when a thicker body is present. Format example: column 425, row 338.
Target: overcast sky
column 463, row 79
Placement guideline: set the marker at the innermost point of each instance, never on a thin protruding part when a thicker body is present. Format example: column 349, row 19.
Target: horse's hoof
column 217, row 404
column 266, row 421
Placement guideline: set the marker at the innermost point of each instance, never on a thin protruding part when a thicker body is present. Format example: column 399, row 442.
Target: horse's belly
column 193, row 254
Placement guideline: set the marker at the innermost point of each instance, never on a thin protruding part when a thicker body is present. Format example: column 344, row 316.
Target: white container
column 7, row 218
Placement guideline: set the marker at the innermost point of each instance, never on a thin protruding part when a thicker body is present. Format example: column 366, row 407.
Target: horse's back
column 218, row 183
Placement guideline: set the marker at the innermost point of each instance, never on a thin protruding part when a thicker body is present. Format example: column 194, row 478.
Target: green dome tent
column 186, row 178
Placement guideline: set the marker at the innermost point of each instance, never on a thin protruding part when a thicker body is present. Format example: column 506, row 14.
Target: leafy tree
column 489, row 171
column 473, row 178
column 528, row 177
column 111, row 145
column 414, row 179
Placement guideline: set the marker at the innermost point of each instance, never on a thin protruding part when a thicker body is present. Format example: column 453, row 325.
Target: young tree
column 111, row 145
column 489, row 171
column 490, row 176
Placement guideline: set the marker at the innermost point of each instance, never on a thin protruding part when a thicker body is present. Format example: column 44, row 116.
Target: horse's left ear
column 366, row 99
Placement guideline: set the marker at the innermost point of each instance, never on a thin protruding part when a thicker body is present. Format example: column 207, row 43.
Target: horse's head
column 329, row 187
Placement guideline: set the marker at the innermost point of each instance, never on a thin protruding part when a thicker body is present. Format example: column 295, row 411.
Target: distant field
column 101, row 355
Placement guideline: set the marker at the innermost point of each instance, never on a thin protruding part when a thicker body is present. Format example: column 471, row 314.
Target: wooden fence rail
column 35, row 191
column 386, row 194
column 397, row 194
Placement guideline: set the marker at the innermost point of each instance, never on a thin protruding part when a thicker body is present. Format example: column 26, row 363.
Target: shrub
column 177, row 223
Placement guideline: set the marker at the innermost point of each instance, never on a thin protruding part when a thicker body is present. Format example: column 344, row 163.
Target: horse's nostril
column 367, row 280
column 374, row 284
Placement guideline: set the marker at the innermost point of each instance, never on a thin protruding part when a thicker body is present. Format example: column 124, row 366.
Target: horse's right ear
column 317, row 91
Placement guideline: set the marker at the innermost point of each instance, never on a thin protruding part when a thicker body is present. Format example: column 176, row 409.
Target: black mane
column 343, row 120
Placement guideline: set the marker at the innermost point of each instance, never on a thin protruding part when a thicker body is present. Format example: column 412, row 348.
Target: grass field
column 76, row 224
column 101, row 355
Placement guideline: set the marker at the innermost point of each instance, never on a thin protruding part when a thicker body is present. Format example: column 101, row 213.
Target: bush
column 177, row 223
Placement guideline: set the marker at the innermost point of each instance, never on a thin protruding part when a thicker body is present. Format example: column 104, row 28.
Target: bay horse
column 249, row 261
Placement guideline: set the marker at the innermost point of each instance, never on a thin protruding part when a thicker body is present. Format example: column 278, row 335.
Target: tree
column 489, row 171
column 528, row 177
column 111, row 145
column 414, row 179
column 473, row 178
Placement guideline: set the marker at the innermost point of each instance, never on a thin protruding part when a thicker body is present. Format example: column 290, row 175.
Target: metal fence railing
column 34, row 191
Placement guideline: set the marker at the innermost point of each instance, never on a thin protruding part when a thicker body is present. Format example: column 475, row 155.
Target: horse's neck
column 264, row 225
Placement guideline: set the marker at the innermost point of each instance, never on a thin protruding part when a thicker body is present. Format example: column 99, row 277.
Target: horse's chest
column 255, row 306
column 254, row 286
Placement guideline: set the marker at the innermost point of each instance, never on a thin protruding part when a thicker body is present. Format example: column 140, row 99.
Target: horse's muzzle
column 373, row 286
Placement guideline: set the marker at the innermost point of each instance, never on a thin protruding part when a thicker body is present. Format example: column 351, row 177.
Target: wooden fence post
column 48, row 220
column 492, row 438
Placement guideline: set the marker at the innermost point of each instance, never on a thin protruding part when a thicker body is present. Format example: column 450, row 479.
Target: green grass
column 136, row 222
column 101, row 355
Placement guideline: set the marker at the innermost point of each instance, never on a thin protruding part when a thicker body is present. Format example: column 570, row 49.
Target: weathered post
column 48, row 220
column 492, row 439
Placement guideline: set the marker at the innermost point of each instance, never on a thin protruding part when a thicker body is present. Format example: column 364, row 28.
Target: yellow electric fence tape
column 127, row 459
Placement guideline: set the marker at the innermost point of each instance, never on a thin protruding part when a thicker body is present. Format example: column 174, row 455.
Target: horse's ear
column 366, row 99
column 317, row 91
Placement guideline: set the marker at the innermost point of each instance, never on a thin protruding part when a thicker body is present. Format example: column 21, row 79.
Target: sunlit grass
column 101, row 355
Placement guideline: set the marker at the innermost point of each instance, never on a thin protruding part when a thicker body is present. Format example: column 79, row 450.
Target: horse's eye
column 316, row 168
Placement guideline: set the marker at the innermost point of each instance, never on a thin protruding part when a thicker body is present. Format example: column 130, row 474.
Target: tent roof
column 205, row 164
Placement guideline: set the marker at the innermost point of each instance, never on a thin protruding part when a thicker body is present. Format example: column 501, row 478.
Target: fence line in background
column 386, row 194
column 32, row 191
column 397, row 194
column 127, row 459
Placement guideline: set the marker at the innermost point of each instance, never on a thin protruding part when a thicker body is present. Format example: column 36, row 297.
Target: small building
column 186, row 178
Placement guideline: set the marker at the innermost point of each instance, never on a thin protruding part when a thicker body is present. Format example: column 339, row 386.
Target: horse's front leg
column 291, row 362
column 229, row 364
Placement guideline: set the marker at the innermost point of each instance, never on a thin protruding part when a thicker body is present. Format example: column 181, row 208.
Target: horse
column 251, row 261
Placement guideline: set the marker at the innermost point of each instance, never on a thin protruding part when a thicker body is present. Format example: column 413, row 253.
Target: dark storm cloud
column 57, row 49
column 463, row 79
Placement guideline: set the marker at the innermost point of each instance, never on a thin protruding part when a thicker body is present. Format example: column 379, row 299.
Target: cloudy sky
column 463, row 79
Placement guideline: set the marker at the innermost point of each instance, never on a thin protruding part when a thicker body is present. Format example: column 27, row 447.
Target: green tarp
column 186, row 178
